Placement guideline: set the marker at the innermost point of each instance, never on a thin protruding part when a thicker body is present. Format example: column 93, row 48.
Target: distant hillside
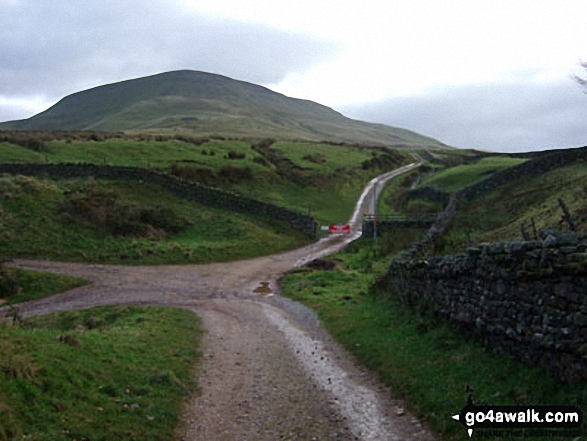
column 209, row 104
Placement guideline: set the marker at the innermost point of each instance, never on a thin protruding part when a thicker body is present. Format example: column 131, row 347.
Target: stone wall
column 443, row 221
column 541, row 164
column 525, row 299
column 533, row 167
column 194, row 192
column 386, row 225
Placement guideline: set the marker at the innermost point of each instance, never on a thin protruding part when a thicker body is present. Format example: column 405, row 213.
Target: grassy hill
column 49, row 218
column 127, row 222
column 207, row 104
column 323, row 178
column 532, row 200
column 527, row 202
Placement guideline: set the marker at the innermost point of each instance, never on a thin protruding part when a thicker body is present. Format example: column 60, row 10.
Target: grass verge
column 107, row 373
column 29, row 285
column 422, row 360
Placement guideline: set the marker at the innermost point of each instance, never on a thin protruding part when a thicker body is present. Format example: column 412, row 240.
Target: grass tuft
column 122, row 377
column 17, row 285
column 176, row 230
column 423, row 360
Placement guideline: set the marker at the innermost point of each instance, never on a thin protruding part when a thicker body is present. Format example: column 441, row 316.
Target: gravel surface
column 269, row 371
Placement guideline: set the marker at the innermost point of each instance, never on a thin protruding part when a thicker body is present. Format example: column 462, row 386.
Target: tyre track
column 269, row 371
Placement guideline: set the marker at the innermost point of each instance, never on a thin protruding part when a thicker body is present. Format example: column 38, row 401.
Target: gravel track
column 269, row 371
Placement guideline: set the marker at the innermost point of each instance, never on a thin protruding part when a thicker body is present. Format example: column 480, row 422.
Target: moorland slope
column 209, row 104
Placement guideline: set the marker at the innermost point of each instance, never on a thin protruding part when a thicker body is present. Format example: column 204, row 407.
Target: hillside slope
column 502, row 197
column 208, row 104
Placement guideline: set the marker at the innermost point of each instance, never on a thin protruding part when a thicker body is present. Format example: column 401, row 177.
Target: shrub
column 102, row 209
column 27, row 140
column 261, row 160
column 96, row 137
column 201, row 175
column 235, row 155
column 191, row 140
column 163, row 219
column 266, row 143
column 8, row 284
column 317, row 158
column 231, row 174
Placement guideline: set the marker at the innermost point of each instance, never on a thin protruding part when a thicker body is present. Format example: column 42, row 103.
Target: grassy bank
column 17, row 285
column 501, row 214
column 456, row 178
column 100, row 374
column 446, row 172
column 422, row 360
column 323, row 178
column 109, row 221
column 521, row 207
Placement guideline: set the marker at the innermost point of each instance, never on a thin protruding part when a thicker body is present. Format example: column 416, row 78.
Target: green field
column 393, row 199
column 390, row 199
column 456, row 178
column 422, row 360
column 323, row 178
column 213, row 153
column 528, row 203
column 37, row 222
column 115, row 373
column 499, row 214
column 146, row 154
column 17, row 286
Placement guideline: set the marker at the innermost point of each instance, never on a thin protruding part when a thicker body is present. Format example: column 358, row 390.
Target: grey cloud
column 508, row 117
column 55, row 48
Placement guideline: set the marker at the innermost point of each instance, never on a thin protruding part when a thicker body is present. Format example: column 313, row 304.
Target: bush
column 103, row 210
column 163, row 219
column 266, row 143
column 96, row 137
column 317, row 158
column 235, row 155
column 191, row 140
column 201, row 175
column 261, row 160
column 382, row 162
column 27, row 140
column 231, row 174
column 8, row 285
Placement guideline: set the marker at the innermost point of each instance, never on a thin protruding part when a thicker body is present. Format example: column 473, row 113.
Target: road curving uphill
column 269, row 371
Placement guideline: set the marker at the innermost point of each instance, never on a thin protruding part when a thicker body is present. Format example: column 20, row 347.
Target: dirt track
column 269, row 371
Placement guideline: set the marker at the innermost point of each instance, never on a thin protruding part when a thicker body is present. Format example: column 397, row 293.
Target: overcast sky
column 491, row 74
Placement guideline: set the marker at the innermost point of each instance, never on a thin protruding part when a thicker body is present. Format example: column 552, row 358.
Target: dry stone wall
column 383, row 226
column 525, row 299
column 533, row 167
column 198, row 193
column 442, row 222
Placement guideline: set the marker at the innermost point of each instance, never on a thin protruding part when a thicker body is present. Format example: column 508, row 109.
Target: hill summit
column 209, row 104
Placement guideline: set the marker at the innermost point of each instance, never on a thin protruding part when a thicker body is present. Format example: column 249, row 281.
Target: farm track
column 269, row 371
